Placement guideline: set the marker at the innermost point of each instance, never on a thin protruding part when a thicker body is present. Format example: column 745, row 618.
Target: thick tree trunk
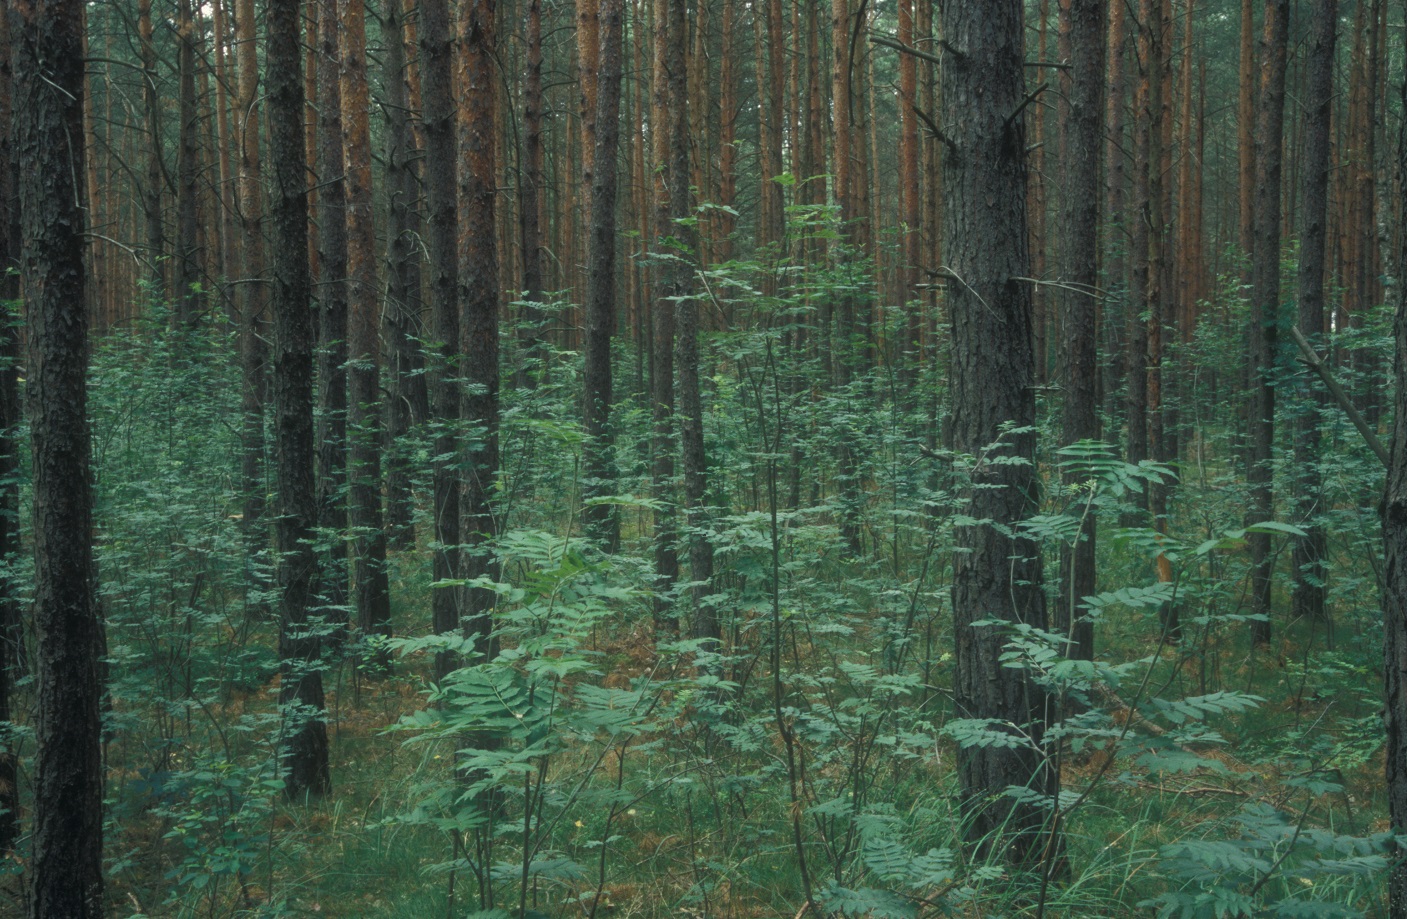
column 65, row 870
column 1308, row 558
column 371, row 590
column 442, row 211
column 305, row 755
column 478, row 322
column 1083, row 140
column 995, row 576
column 1117, row 235
column 332, row 318
column 598, row 463
column 1265, row 305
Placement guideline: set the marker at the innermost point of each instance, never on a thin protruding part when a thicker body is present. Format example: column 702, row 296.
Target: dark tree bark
column 667, row 122
column 305, row 762
column 371, row 590
column 686, row 357
column 155, row 168
column 530, row 196
column 598, row 464
column 478, row 320
column 1139, row 232
column 1308, row 556
column 406, row 405
column 441, row 189
column 186, row 314
column 1265, row 304
column 253, row 290
column 995, row 577
column 1394, row 510
column 332, row 318
column 66, row 866
column 1083, row 140
column 10, row 636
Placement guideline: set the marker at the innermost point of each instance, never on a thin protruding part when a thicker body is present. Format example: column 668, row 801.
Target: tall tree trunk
column 598, row 463
column 686, row 356
column 441, row 191
column 995, row 576
column 405, row 405
column 666, row 122
column 478, row 321
column 10, row 586
column 1245, row 132
column 910, row 193
column 1394, row 522
column 186, row 313
column 155, row 169
column 1140, row 277
column 332, row 317
column 305, row 758
column 253, row 290
column 1117, row 234
column 1265, row 305
column 1084, row 23
column 530, row 199
column 1308, row 557
column 371, row 590
column 66, row 868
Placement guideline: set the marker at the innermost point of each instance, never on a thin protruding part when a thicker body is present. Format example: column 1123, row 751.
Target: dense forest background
column 732, row 458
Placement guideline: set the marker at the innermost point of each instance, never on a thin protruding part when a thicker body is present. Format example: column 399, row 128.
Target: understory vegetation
column 604, row 763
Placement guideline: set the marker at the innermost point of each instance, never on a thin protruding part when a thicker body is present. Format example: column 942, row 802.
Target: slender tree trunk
column 1394, row 514
column 1084, row 23
column 65, row 869
column 441, row 190
column 1245, row 131
column 186, row 313
column 910, row 194
column 666, row 122
column 478, row 296
column 1140, row 276
column 686, row 356
column 530, row 199
column 995, row 576
column 402, row 354
column 371, row 590
column 1265, row 305
column 155, row 170
column 598, row 463
column 332, row 317
column 10, row 586
column 252, row 356
column 305, row 759
column 1117, row 234
column 1308, row 558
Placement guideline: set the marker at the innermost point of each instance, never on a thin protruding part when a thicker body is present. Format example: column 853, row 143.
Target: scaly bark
column 600, row 476
column 996, row 576
column 1265, row 305
column 65, row 869
column 1084, row 23
column 478, row 320
column 305, row 753
column 370, row 587
column 1309, row 554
